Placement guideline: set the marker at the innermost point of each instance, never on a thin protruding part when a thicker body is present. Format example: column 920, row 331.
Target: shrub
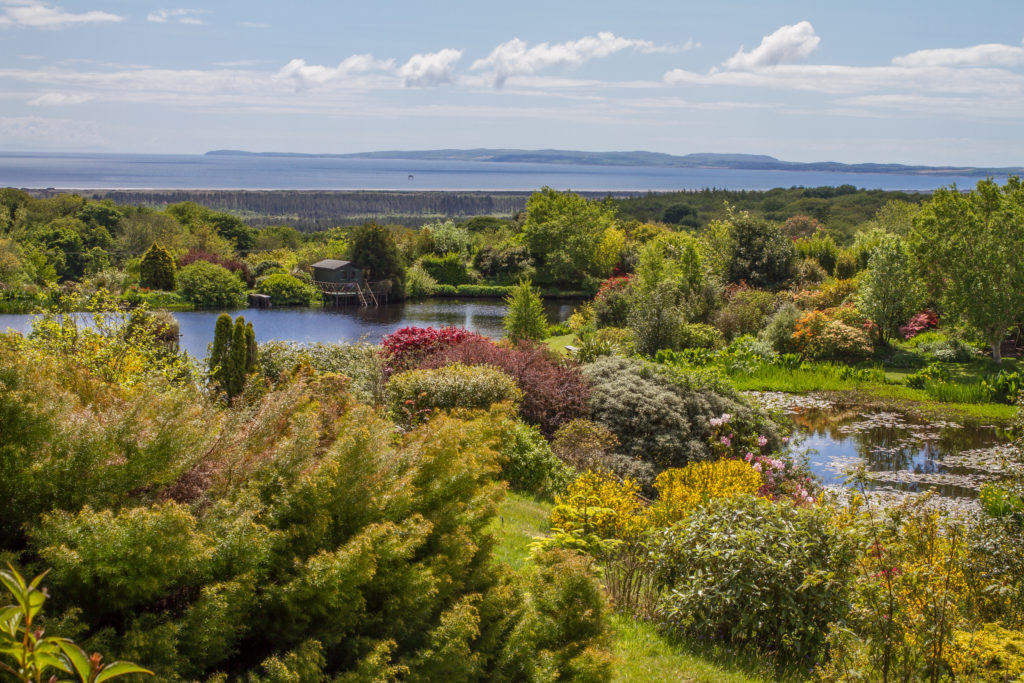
column 778, row 333
column 156, row 269
column 525, row 319
column 405, row 348
column 361, row 363
column 554, row 392
column 683, row 489
column 600, row 505
column 655, row 319
column 746, row 312
column 700, row 336
column 528, row 464
column 207, row 285
column 613, row 301
column 819, row 337
column 809, row 273
column 239, row 268
column 847, row 264
column 747, row 570
column 449, row 269
column 662, row 414
column 286, row 290
column 821, row 249
column 418, row 392
column 419, row 283
column 918, row 323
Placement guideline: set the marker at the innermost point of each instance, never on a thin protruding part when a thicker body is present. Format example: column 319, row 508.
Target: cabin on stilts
column 343, row 282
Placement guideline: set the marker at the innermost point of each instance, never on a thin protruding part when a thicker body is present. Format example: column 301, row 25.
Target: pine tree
column 525, row 318
column 156, row 269
column 218, row 361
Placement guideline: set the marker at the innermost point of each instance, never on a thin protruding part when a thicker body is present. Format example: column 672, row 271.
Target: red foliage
column 232, row 264
column 405, row 348
column 553, row 392
column 614, row 284
column 925, row 320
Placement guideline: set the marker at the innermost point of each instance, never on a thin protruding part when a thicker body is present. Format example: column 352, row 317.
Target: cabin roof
column 332, row 264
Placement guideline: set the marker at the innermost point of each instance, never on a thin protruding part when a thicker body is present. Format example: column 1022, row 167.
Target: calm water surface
column 169, row 171
column 349, row 324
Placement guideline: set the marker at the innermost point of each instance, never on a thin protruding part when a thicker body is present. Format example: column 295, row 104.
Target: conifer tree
column 156, row 269
column 219, row 352
column 250, row 348
column 234, row 377
column 525, row 318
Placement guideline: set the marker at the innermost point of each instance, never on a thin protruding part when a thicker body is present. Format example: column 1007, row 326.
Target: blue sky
column 932, row 83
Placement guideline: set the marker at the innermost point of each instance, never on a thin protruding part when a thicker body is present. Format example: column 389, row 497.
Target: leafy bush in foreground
column 747, row 570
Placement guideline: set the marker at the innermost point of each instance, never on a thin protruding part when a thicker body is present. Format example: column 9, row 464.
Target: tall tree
column 564, row 232
column 218, row 360
column 374, row 250
column 971, row 248
column 759, row 253
column 889, row 290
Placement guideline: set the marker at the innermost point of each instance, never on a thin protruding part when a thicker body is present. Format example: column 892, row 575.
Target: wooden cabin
column 333, row 271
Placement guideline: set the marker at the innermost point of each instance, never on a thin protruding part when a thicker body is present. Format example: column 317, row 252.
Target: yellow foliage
column 993, row 653
column 598, row 503
column 682, row 489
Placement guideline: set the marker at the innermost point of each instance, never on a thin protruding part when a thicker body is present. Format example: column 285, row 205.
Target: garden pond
column 902, row 453
column 343, row 324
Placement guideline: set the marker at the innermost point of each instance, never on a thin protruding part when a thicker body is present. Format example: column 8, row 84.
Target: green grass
column 642, row 653
column 520, row 519
column 559, row 343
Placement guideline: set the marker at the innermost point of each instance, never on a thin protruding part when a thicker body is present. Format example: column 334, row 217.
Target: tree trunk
column 997, row 356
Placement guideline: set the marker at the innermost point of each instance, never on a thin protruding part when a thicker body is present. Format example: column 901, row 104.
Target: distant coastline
column 746, row 162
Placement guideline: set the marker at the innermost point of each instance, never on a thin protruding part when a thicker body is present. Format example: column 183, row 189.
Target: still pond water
column 346, row 324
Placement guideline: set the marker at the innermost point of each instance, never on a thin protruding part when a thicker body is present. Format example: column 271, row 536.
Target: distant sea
column 225, row 172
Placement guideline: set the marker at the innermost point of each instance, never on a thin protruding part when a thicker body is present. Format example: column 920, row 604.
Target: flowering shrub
column 553, row 392
column 829, row 295
column 682, row 489
column 416, row 393
column 820, row 336
column 920, row 322
column 782, row 478
column 599, row 504
column 405, row 348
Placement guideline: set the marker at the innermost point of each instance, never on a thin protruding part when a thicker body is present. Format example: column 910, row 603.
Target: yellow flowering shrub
column 681, row 489
column 597, row 503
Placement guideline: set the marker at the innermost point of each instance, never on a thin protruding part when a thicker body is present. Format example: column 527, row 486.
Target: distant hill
column 703, row 160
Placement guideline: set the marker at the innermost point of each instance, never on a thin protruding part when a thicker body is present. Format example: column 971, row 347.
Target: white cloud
column 303, row 75
column 786, row 45
column 514, row 58
column 58, row 99
column 253, row 24
column 179, row 15
column 35, row 131
column 432, row 68
column 35, row 14
column 989, row 54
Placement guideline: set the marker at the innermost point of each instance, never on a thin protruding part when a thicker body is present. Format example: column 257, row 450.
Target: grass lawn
column 559, row 343
column 641, row 652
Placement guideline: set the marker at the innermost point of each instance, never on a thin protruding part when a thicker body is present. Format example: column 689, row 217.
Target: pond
column 902, row 453
column 346, row 324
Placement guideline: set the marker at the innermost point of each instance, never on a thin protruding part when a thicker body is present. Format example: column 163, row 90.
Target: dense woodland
column 349, row 512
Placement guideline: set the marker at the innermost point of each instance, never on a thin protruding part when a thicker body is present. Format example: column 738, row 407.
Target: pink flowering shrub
column 926, row 320
column 781, row 476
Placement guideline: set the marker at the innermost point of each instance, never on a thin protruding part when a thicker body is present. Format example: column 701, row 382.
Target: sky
column 938, row 83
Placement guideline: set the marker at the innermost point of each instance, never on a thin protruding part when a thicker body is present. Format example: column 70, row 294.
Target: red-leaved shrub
column 405, row 348
column 554, row 391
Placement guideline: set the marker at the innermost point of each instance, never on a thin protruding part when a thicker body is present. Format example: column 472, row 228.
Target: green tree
column 251, row 349
column 238, row 357
column 889, row 290
column 218, row 360
column 373, row 249
column 208, row 285
column 156, row 269
column 563, row 232
column 525, row 319
column 759, row 253
column 971, row 247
